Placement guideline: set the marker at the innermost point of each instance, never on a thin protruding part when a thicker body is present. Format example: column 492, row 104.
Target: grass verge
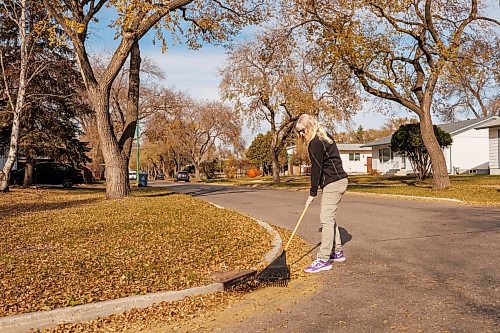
column 472, row 189
column 69, row 247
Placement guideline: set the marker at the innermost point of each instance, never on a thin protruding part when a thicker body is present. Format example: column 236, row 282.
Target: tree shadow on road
column 214, row 190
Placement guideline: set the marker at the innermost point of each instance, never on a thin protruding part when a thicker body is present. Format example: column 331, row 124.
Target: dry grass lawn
column 68, row 247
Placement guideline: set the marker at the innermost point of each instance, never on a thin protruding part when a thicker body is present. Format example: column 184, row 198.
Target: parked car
column 160, row 176
column 181, row 175
column 132, row 175
column 51, row 173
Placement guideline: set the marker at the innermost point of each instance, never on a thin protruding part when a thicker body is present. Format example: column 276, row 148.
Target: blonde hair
column 313, row 128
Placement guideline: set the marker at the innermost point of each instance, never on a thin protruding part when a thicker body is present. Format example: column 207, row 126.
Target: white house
column 469, row 152
column 493, row 127
column 355, row 159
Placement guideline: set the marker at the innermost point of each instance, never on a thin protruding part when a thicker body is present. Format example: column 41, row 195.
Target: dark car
column 52, row 174
column 160, row 176
column 181, row 175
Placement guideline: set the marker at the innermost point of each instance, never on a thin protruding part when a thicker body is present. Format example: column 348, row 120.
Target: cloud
column 194, row 72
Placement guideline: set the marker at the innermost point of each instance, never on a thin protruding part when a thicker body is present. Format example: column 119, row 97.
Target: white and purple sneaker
column 337, row 256
column 318, row 265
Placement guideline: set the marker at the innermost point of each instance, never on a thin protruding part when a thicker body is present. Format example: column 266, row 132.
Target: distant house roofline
column 451, row 128
column 494, row 122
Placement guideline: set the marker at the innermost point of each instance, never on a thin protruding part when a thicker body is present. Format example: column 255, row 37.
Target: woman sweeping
column 327, row 173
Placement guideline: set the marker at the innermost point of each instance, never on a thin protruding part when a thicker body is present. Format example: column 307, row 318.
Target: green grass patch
column 69, row 247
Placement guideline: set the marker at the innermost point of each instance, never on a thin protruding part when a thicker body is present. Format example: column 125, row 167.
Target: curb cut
column 81, row 313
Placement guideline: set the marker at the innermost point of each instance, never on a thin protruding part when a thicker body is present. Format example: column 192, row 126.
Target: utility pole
column 137, row 154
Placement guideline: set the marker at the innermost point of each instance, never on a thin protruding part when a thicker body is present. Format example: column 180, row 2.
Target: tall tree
column 28, row 23
column 194, row 127
column 150, row 73
column 272, row 79
column 206, row 20
column 397, row 50
column 259, row 152
column 359, row 135
column 52, row 100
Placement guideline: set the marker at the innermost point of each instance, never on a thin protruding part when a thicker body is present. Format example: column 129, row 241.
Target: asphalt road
column 411, row 266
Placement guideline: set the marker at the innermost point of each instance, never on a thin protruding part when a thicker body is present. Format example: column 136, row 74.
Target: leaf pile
column 64, row 248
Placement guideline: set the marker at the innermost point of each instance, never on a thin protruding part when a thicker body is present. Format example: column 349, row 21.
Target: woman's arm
column 316, row 155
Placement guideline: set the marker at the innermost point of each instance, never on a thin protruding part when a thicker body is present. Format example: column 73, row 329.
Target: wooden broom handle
column 296, row 226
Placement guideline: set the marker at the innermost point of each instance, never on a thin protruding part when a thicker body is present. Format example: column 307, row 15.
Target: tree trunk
column 11, row 157
column 197, row 169
column 116, row 165
column 28, row 171
column 116, row 153
column 440, row 177
column 276, row 169
column 275, row 156
column 132, row 113
column 20, row 99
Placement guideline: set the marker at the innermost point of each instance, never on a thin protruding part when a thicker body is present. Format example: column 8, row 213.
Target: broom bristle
column 277, row 273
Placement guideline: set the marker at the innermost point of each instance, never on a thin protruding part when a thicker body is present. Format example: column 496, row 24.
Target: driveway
column 411, row 266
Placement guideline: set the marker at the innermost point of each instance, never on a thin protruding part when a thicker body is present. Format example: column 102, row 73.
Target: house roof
column 351, row 146
column 386, row 140
column 495, row 122
column 459, row 126
column 451, row 128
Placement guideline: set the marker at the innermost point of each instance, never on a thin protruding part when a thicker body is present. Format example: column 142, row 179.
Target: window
column 354, row 157
column 384, row 155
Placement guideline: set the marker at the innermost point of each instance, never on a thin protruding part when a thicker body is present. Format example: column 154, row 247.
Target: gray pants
column 330, row 235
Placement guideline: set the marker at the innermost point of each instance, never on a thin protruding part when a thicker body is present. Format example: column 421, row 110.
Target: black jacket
column 326, row 165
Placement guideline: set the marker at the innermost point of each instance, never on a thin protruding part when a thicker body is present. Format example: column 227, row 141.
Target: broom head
column 276, row 273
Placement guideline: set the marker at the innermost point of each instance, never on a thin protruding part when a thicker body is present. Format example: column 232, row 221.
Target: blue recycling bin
column 143, row 179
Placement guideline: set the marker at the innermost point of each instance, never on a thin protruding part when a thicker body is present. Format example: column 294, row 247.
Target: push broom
column 278, row 272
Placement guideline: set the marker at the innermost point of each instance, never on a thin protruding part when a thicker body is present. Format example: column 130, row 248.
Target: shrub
column 253, row 172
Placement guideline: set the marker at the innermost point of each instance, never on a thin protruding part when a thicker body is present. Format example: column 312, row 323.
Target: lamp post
column 137, row 154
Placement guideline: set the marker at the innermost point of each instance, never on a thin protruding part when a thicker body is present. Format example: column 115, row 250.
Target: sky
column 196, row 71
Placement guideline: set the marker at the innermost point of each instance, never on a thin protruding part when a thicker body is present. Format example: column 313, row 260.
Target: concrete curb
column 402, row 196
column 81, row 313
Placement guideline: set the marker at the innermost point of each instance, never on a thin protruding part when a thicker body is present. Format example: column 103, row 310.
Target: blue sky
column 195, row 71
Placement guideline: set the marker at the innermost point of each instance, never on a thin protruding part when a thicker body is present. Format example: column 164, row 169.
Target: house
column 493, row 127
column 468, row 153
column 355, row 159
